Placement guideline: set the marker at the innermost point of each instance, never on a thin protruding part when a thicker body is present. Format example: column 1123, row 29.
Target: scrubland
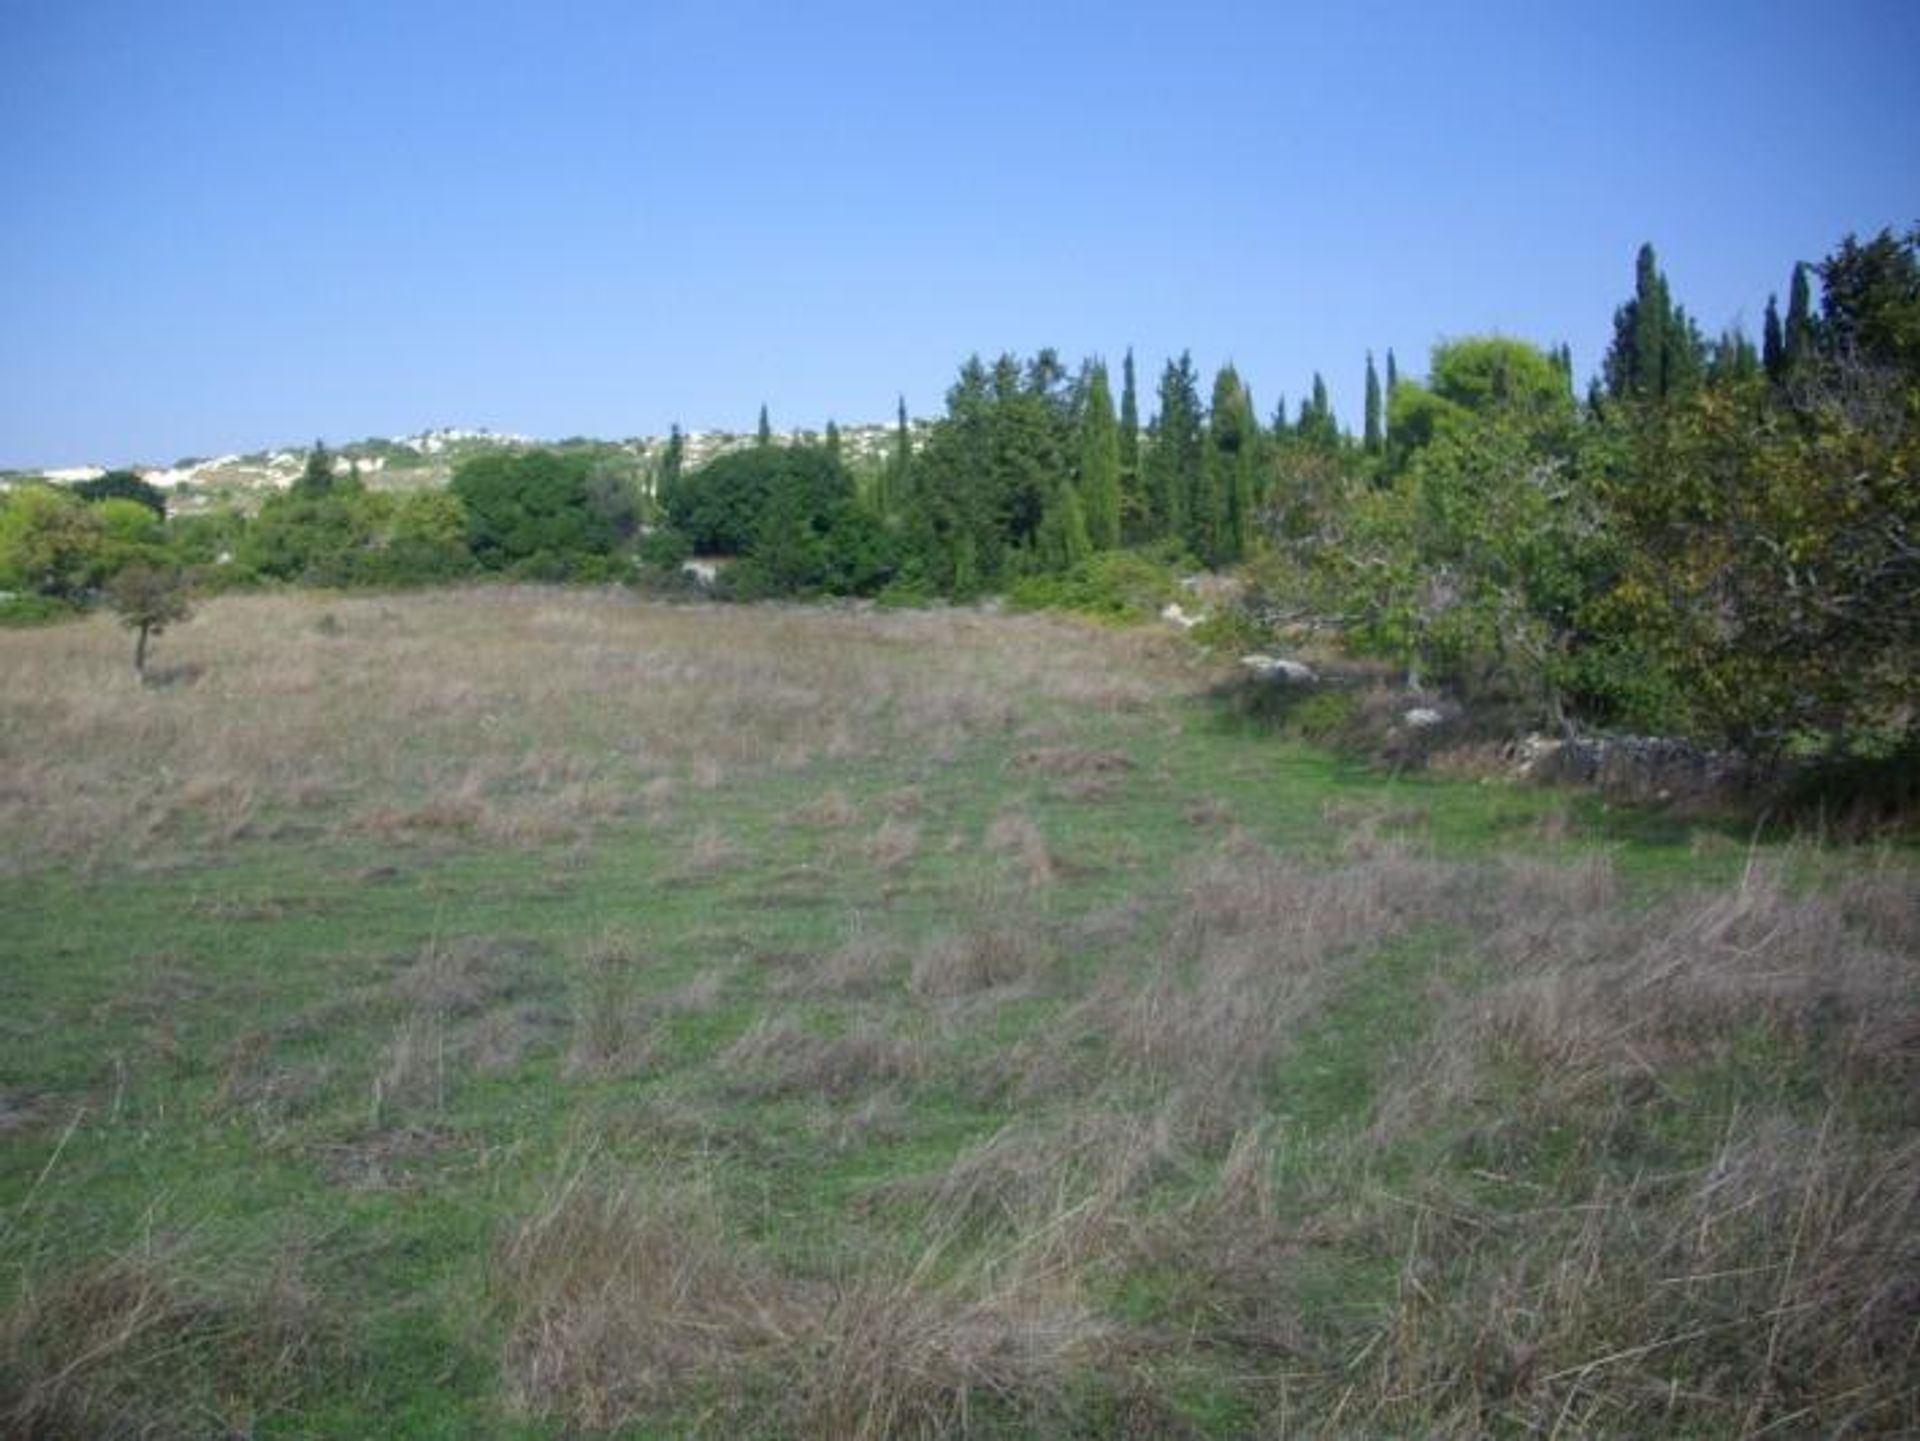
column 534, row 1012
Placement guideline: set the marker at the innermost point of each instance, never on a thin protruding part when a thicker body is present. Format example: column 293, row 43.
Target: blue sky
column 234, row 225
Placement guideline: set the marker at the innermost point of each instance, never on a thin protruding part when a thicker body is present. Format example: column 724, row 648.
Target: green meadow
column 538, row 1012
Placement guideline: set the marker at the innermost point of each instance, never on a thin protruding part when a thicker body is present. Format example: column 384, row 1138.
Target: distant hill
column 428, row 460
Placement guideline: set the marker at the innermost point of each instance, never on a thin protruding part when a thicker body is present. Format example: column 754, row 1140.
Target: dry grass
column 612, row 1028
column 152, row 1342
column 623, row 1303
column 1015, row 836
column 497, row 713
column 1777, row 1286
column 1015, row 951
column 1776, row 1289
column 1258, row 946
column 779, row 1057
column 894, row 845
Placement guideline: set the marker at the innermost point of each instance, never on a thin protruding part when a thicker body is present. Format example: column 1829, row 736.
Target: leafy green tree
column 51, row 543
column 1870, row 301
column 534, row 508
column 316, row 478
column 722, row 506
column 832, row 441
column 1773, row 564
column 424, row 539
column 1061, row 542
column 148, row 599
column 123, row 485
column 1773, row 346
column 314, row 538
column 1100, row 462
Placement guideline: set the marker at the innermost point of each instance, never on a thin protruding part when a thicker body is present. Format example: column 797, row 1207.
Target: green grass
column 353, row 1062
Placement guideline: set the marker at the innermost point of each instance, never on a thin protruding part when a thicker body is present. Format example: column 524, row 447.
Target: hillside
column 427, row 459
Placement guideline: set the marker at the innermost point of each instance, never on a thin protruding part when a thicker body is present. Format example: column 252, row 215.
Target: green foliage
column 1100, row 462
column 1230, row 469
column 52, row 543
column 348, row 536
column 536, row 507
column 1870, row 301
column 148, row 600
column 1373, row 436
column 1657, row 352
column 1772, row 563
column 1117, row 585
column 316, row 477
column 123, row 485
column 1174, row 463
column 720, row 508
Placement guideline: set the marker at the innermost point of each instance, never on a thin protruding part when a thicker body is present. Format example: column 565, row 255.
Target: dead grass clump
column 1015, row 836
column 1208, row 812
column 152, row 1342
column 398, row 1159
column 621, row 1301
column 710, row 850
column 904, row 802
column 779, row 1057
column 1072, row 761
column 1228, row 1262
column 1627, row 992
column 465, row 976
column 896, row 1356
column 1776, row 1289
column 612, row 1030
column 988, row 956
column 1056, row 1188
column 894, row 845
column 1258, row 946
column 830, row 808
column 865, row 963
column 626, row 1306
column 412, row 1069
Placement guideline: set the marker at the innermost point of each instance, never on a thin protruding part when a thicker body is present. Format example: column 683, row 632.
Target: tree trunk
column 140, row 654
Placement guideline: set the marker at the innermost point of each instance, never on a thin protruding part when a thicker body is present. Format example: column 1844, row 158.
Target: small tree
column 148, row 600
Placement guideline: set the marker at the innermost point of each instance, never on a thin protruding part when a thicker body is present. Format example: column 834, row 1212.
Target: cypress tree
column 317, row 477
column 672, row 461
column 1100, row 462
column 1061, row 540
column 1657, row 351
column 1133, row 508
column 1232, row 448
column 1393, row 373
column 1648, row 379
column 1773, row 352
column 765, row 436
column 892, row 490
column 833, row 440
column 1171, row 463
column 1374, row 433
column 1798, row 342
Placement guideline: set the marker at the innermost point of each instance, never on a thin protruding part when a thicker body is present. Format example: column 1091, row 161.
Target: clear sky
column 235, row 225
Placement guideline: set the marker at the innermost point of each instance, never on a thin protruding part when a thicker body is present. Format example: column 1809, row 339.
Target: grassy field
column 528, row 1013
